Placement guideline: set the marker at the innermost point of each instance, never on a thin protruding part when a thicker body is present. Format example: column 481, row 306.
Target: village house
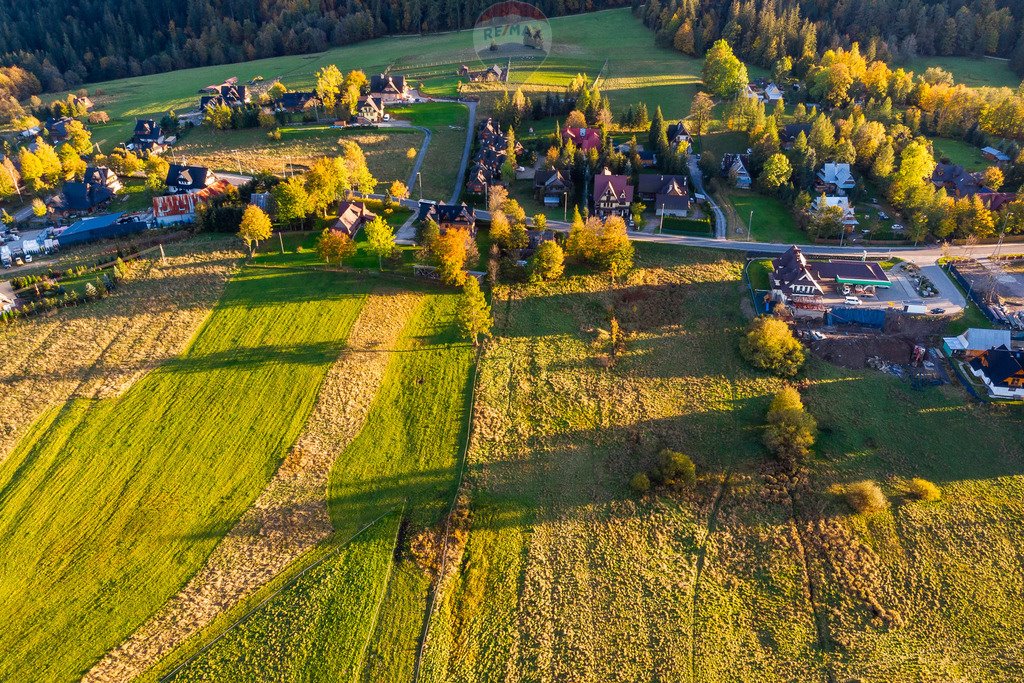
column 551, row 187
column 585, row 139
column 147, row 138
column 794, row 276
column 181, row 208
column 789, row 133
column 228, row 92
column 57, row 128
column 834, row 179
column 849, row 215
column 1002, row 371
column 959, row 183
column 993, row 154
column 371, row 110
column 493, row 74
column 763, row 91
column 678, row 134
column 734, row 167
column 352, row 216
column 96, row 190
column 293, row 102
column 449, row 216
column 613, row 195
column 389, row 88
column 183, row 179
column 975, row 341
column 668, row 194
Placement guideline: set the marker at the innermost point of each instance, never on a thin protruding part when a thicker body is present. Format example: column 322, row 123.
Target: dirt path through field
column 290, row 516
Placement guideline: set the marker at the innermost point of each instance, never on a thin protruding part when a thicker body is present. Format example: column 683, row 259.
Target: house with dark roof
column 449, row 216
column 791, row 131
column 1002, row 371
column 297, row 101
column 668, row 194
column 585, row 139
column 229, row 92
column 371, row 109
column 677, row 134
column 352, row 216
column 550, row 186
column 182, row 178
column 146, row 131
column 956, row 180
column 613, row 195
column 96, row 189
column 389, row 87
column 793, row 275
column 735, row 168
column 58, row 128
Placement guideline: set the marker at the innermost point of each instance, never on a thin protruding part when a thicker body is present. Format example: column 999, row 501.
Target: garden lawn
column 358, row 616
column 960, row 153
column 772, row 220
column 108, row 507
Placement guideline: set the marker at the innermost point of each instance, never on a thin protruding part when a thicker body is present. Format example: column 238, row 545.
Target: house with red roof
column 585, row 139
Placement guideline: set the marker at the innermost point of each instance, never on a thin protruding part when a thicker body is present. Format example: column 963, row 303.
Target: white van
column 852, row 301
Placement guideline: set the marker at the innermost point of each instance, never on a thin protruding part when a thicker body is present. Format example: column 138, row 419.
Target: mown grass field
column 771, row 220
column 960, row 153
column 358, row 616
column 114, row 503
column 447, row 123
column 250, row 150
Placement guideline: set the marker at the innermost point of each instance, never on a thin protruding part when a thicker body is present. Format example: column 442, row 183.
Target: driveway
column 697, row 178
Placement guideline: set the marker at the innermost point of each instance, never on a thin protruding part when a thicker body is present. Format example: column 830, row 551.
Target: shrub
column 922, row 489
column 866, row 497
column 640, row 483
column 676, row 469
column 769, row 344
column 791, row 430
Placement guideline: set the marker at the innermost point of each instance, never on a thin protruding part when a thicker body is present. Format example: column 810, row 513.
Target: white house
column 835, row 177
column 849, row 216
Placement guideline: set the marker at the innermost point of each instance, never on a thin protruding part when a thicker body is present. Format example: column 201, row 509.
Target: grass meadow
column 976, row 72
column 148, row 482
column 250, row 150
column 960, row 153
column 754, row 575
column 359, row 615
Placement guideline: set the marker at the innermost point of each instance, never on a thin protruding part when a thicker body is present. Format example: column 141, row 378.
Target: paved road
column 419, row 157
column 460, row 180
column 698, row 186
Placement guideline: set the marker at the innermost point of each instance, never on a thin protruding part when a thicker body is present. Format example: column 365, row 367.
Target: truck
column 30, row 247
column 915, row 308
column 5, row 256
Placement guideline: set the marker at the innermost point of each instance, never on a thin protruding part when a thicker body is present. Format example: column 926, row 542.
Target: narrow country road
column 419, row 157
column 460, row 180
column 697, row 178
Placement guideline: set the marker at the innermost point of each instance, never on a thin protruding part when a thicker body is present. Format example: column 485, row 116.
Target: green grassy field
column 358, row 615
column 116, row 503
column 250, row 149
column 969, row 71
column 772, row 220
column 447, row 123
column 960, row 153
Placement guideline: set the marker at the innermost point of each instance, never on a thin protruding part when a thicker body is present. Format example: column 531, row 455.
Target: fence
column 972, row 295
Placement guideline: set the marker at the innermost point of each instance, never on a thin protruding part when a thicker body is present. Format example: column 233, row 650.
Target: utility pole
column 661, row 224
column 565, row 207
column 419, row 180
column 280, row 239
column 750, row 226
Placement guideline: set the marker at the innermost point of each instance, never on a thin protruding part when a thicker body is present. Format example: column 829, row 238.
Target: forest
column 765, row 31
column 66, row 45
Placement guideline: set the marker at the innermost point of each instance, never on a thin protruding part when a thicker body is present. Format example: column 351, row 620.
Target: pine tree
column 474, row 313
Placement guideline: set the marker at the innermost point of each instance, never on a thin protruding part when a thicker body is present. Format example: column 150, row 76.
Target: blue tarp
column 99, row 228
column 872, row 317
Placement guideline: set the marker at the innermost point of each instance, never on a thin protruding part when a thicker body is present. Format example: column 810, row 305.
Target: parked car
column 853, row 301
column 897, row 227
column 387, row 117
column 938, row 311
column 883, row 215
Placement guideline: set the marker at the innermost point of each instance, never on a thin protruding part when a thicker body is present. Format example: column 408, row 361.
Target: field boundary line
column 287, row 584
column 432, row 597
